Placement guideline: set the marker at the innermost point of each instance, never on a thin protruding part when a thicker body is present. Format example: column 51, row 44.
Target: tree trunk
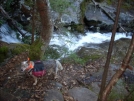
column 122, row 69
column 33, row 21
column 106, row 67
column 46, row 22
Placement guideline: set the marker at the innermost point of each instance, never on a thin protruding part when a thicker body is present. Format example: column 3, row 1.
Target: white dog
column 40, row 68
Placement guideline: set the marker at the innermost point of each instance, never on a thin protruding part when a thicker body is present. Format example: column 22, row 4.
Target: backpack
column 39, row 69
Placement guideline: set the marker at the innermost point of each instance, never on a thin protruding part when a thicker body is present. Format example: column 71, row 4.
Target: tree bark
column 47, row 28
column 46, row 22
column 106, row 67
column 122, row 69
column 33, row 21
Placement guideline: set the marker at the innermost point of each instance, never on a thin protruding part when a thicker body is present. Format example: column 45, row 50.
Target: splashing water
column 73, row 42
column 7, row 34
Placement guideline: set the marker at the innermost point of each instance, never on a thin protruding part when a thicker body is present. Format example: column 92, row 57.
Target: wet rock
column 101, row 18
column 89, row 80
column 94, row 17
column 95, row 88
column 57, row 85
column 82, row 94
column 53, row 95
column 128, row 76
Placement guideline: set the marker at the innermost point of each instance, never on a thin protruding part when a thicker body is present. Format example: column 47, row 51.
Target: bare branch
column 122, row 69
column 10, row 20
column 106, row 67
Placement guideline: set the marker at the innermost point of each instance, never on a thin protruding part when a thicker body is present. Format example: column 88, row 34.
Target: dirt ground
column 17, row 85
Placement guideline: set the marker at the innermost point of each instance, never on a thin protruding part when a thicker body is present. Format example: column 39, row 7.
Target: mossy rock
column 19, row 48
column 59, row 5
column 73, row 58
column 3, row 53
column 83, row 7
column 78, row 27
column 35, row 52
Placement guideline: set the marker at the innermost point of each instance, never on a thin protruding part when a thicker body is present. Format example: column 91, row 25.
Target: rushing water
column 7, row 34
column 70, row 41
column 73, row 42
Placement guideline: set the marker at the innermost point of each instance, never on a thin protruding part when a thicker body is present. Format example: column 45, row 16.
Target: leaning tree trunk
column 117, row 75
column 106, row 67
column 46, row 31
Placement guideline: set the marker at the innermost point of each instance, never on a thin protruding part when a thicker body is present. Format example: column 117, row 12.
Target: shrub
column 51, row 53
column 19, row 48
column 74, row 58
column 59, row 5
column 3, row 53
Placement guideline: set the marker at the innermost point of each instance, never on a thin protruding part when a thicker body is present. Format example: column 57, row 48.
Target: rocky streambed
column 75, row 83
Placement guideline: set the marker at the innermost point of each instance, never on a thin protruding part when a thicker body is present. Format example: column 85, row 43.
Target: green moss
column 19, row 48
column 91, row 57
column 7, row 5
column 74, row 59
column 51, row 53
column 28, row 3
column 1, row 22
column 117, row 93
column 83, row 6
column 35, row 50
column 130, row 96
column 77, row 27
column 3, row 53
column 59, row 5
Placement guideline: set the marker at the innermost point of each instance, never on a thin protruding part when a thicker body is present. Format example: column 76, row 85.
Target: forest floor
column 16, row 85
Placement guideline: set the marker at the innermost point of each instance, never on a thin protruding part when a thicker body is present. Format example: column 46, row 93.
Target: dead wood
column 10, row 21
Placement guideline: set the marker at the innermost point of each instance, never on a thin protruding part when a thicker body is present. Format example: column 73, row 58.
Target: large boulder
column 82, row 94
column 102, row 18
column 54, row 95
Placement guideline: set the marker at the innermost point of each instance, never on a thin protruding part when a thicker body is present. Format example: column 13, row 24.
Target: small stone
column 64, row 83
column 9, row 77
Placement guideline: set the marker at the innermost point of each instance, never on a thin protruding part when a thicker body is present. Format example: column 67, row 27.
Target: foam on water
column 7, row 34
column 69, row 40
column 72, row 42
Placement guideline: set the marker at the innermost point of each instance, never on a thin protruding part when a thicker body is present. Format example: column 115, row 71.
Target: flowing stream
column 70, row 41
column 73, row 42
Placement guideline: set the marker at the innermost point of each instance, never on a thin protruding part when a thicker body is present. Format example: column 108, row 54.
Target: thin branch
column 122, row 69
column 10, row 20
column 106, row 67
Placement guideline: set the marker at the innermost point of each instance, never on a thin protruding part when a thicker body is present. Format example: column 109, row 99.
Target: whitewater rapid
column 69, row 40
column 73, row 42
